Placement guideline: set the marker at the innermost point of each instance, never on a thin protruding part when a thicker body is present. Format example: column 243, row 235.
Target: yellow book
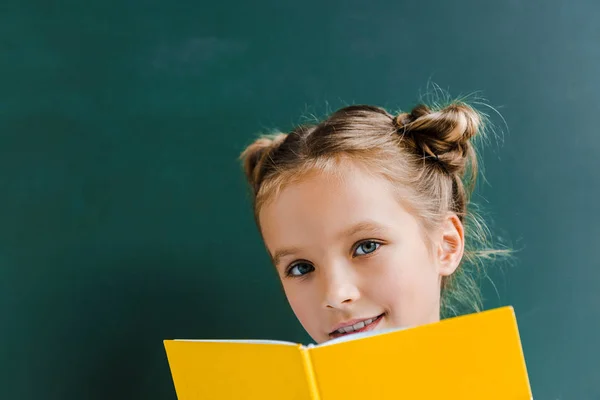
column 472, row 357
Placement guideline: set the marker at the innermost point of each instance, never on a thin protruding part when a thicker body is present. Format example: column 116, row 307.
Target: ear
column 451, row 246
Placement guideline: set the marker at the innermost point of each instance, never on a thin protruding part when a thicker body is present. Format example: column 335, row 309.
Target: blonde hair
column 427, row 153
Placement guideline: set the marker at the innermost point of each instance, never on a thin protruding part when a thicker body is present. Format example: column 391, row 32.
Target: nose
column 340, row 288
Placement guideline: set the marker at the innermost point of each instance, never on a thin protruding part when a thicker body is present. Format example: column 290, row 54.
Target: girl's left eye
column 366, row 248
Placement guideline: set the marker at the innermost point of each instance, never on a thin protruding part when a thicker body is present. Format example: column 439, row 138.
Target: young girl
column 365, row 217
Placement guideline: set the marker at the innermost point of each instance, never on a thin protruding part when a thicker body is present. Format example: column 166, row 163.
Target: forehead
column 322, row 205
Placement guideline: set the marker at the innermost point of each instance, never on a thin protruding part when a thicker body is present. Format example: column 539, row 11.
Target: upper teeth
column 355, row 327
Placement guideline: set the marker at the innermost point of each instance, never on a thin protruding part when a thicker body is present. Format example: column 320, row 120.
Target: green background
column 124, row 216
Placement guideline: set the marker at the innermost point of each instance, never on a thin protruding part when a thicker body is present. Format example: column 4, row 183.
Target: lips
column 356, row 326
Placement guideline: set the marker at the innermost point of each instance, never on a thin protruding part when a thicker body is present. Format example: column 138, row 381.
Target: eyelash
column 288, row 272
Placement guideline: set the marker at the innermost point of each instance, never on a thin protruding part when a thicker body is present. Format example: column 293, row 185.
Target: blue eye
column 300, row 269
column 366, row 248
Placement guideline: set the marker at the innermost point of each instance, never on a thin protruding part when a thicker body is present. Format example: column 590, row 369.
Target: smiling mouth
column 363, row 326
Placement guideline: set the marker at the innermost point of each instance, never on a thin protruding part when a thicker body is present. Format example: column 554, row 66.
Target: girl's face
column 352, row 259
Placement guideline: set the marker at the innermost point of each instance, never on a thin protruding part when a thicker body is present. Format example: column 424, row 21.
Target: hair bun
column 255, row 154
column 443, row 135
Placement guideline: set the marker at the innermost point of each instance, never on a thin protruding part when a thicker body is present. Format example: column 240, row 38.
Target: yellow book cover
column 472, row 357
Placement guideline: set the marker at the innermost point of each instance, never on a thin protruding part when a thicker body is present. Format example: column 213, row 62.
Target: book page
column 356, row 336
column 204, row 370
column 472, row 357
column 253, row 341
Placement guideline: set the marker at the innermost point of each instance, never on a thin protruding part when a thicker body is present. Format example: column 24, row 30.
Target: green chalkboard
column 124, row 215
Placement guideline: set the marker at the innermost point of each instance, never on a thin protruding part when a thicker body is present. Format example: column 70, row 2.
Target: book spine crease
column 310, row 374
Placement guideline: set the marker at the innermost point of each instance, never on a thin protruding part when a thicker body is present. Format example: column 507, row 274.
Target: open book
column 471, row 357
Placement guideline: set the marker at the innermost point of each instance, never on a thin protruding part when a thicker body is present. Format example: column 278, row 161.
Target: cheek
column 405, row 282
column 301, row 298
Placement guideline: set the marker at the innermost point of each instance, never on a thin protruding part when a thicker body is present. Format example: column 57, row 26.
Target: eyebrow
column 363, row 226
column 279, row 254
